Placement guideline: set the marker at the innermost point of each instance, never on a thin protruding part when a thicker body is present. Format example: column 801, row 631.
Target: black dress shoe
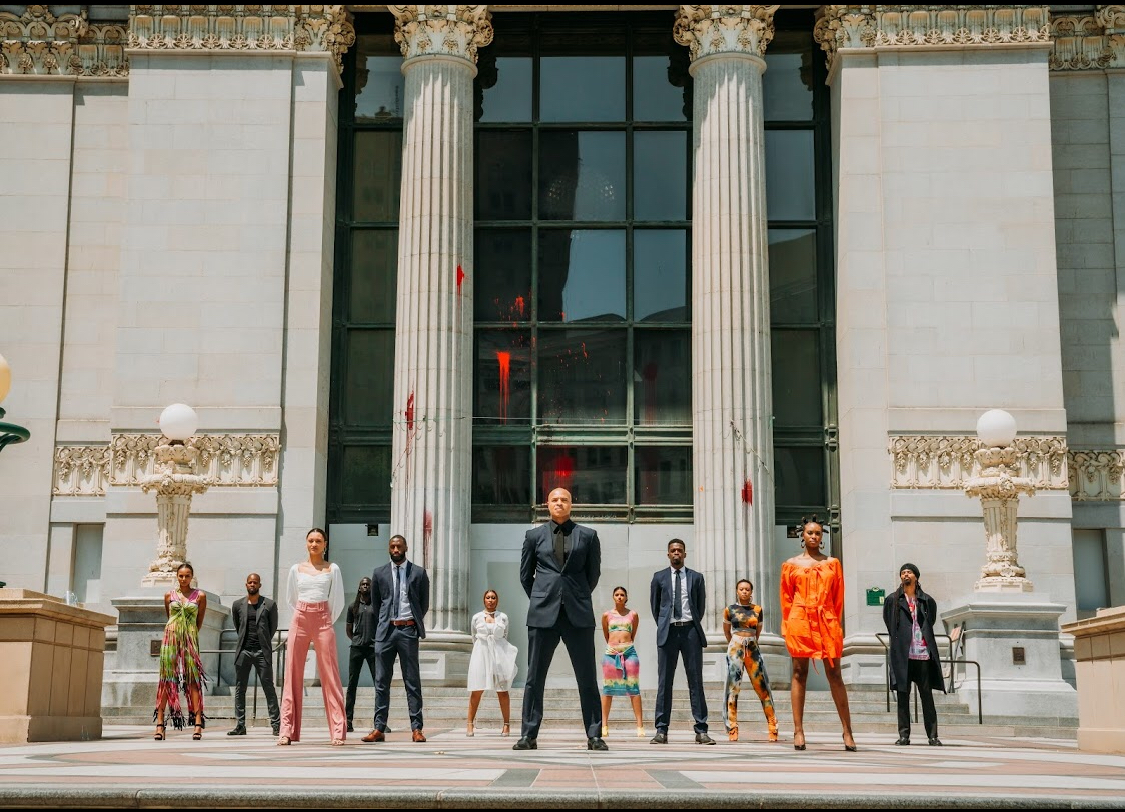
column 903, row 741
column 935, row 742
column 659, row 738
column 350, row 728
column 526, row 744
column 596, row 743
column 277, row 730
column 703, row 738
column 238, row 731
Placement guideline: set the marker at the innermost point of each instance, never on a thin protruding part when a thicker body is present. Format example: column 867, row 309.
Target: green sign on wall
column 875, row 596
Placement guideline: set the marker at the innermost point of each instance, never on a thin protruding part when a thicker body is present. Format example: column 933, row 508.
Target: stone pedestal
column 50, row 668
column 995, row 627
column 132, row 677
column 1099, row 649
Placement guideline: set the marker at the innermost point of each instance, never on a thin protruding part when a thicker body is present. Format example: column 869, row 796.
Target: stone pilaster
column 734, row 485
column 431, row 477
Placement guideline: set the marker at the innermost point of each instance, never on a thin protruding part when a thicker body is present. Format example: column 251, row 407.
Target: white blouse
column 326, row 586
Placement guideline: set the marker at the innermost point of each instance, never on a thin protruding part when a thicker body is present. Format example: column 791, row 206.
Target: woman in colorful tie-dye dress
column 181, row 668
column 621, row 667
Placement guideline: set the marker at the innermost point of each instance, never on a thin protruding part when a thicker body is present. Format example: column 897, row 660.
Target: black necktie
column 398, row 591
column 560, row 547
column 677, row 598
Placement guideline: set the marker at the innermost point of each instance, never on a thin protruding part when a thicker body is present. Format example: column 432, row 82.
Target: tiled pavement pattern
column 127, row 768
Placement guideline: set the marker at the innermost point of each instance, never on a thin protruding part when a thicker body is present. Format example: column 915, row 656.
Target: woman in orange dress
column 812, row 602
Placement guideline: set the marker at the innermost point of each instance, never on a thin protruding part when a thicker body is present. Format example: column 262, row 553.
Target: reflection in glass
column 502, row 475
column 506, row 89
column 374, row 276
column 660, row 88
column 581, row 275
column 582, row 88
column 503, row 175
column 796, row 378
column 799, row 474
column 662, row 377
column 787, row 84
column 365, row 475
column 663, row 475
column 582, row 175
column 378, row 176
column 381, row 88
column 582, row 376
column 594, row 475
column 369, row 382
column 790, row 191
column 660, row 275
column 792, row 275
column 502, row 377
column 660, row 175
column 502, row 262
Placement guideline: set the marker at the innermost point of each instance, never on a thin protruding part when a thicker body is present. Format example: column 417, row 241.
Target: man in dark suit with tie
column 679, row 599
column 559, row 568
column 255, row 620
column 400, row 598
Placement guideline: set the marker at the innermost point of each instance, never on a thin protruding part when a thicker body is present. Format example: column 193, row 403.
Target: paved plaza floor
column 127, row 768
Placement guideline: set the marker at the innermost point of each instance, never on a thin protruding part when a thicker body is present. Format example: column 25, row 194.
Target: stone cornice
column 946, row 462
column 456, row 31
column 37, row 43
column 242, row 29
column 1089, row 42
column 711, row 30
column 1096, row 476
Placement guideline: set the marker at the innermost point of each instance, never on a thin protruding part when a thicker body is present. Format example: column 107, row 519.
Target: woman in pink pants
column 315, row 592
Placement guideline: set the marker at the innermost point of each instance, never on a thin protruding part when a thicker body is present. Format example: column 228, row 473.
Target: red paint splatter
column 585, row 354
column 520, row 305
column 504, row 365
column 427, row 526
column 748, row 492
column 409, row 413
column 562, row 315
column 460, row 279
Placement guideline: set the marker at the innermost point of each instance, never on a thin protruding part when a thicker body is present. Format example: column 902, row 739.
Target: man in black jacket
column 909, row 614
column 255, row 618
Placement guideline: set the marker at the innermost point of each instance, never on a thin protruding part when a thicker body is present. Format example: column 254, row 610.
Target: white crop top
column 326, row 586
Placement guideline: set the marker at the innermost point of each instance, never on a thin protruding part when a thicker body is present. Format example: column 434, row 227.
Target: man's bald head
column 559, row 505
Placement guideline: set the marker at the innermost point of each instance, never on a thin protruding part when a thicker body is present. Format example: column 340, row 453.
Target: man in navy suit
column 679, row 599
column 559, row 568
column 400, row 598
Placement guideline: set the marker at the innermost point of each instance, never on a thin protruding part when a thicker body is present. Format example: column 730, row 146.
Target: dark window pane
column 365, row 475
column 581, row 175
column 369, row 385
column 582, row 376
column 663, row 475
column 790, row 194
column 503, row 376
column 502, row 475
column 582, row 88
column 660, row 176
column 594, row 475
column 502, row 261
column 787, row 84
column 374, row 276
column 380, row 85
column 792, row 275
column 503, row 170
column 660, row 276
column 796, row 378
column 505, row 83
column 800, row 476
column 660, row 88
column 378, row 174
column 662, row 377
column 581, row 275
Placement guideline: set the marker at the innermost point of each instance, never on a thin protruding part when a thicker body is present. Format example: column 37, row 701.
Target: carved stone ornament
column 998, row 486
column 449, row 30
column 242, row 28
column 1096, row 475
column 174, row 484
column 929, row 26
column 937, row 462
column 1089, row 42
column 37, row 43
column 709, row 30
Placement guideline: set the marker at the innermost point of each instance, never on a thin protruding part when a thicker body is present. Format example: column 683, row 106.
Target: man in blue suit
column 400, row 598
column 679, row 599
column 559, row 568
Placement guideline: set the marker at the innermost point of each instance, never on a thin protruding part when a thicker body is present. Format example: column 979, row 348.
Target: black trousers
column 357, row 656
column 263, row 666
column 401, row 642
column 682, row 640
column 918, row 672
column 541, row 645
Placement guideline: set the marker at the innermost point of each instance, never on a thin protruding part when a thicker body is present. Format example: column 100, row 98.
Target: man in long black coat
column 909, row 614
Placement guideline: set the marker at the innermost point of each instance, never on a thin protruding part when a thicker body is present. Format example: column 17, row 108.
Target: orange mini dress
column 812, row 601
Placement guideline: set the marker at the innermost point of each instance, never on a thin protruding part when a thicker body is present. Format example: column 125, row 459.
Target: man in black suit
column 255, row 619
column 400, row 598
column 559, row 568
column 678, row 597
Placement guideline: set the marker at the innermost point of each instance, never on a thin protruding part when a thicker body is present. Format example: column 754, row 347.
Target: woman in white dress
column 492, row 666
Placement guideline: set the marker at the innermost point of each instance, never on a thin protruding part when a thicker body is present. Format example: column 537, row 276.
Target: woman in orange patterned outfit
column 812, row 602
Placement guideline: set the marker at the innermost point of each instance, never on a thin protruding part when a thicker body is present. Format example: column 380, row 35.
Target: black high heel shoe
column 851, row 748
column 800, row 746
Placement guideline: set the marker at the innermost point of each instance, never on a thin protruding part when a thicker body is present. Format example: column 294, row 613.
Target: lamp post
column 10, row 433
column 174, row 486
column 999, row 487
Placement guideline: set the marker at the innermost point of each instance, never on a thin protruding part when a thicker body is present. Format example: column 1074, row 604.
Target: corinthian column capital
column 442, row 30
column 711, row 30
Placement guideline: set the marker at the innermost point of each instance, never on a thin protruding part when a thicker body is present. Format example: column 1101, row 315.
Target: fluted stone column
column 431, row 474
column 731, row 401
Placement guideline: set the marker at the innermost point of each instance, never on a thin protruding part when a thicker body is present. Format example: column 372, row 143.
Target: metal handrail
column 952, row 662
column 279, row 651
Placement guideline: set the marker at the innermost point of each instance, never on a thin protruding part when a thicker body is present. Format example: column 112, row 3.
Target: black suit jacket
column 551, row 587
column 382, row 597
column 660, row 597
column 267, row 621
